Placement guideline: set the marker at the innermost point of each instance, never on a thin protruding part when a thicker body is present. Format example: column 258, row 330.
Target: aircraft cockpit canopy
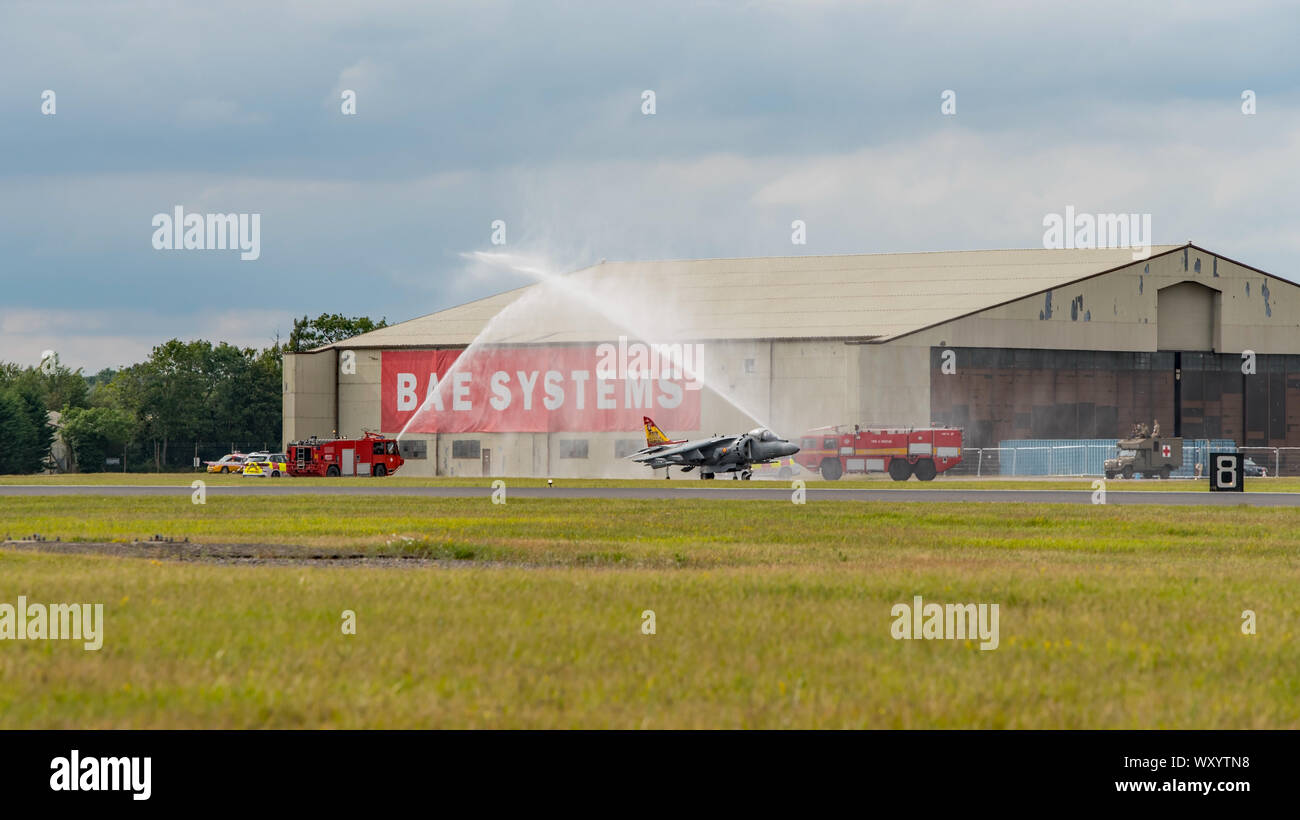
column 762, row 434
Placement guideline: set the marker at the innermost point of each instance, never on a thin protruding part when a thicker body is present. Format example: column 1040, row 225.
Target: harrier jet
column 720, row 454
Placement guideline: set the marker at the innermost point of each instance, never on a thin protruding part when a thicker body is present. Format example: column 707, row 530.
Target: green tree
column 61, row 387
column 64, row 388
column 100, row 380
column 245, row 394
column 94, row 434
column 190, row 392
column 176, row 394
column 328, row 328
column 25, row 430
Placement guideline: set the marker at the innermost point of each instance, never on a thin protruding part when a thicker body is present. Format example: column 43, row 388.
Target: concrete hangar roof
column 866, row 297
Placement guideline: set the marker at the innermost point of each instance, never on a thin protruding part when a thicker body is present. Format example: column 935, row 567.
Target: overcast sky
column 531, row 113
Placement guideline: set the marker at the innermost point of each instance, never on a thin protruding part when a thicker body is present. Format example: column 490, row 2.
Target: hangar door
column 1185, row 317
column 1185, row 323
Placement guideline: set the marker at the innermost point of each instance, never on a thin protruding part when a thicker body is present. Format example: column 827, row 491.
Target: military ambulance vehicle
column 1149, row 454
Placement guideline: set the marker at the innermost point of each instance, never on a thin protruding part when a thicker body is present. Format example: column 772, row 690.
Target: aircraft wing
column 678, row 449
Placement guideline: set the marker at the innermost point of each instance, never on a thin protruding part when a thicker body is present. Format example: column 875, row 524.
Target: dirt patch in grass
column 232, row 554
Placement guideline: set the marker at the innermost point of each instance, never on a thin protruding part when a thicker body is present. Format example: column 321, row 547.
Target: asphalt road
column 781, row 494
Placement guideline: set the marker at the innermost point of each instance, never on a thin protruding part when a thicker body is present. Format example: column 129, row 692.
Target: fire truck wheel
column 275, row 474
column 381, row 470
column 925, row 470
column 832, row 469
column 332, row 471
column 899, row 469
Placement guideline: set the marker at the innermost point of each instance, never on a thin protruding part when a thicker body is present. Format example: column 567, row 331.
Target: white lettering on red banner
column 525, row 390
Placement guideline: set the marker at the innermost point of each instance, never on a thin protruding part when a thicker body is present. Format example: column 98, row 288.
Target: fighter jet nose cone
column 788, row 449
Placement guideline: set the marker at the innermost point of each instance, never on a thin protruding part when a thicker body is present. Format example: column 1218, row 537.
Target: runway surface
column 779, row 494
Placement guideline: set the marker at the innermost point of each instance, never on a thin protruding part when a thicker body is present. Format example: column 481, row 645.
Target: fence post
column 1015, row 454
column 979, row 465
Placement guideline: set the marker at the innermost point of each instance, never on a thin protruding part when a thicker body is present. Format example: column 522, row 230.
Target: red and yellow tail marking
column 654, row 437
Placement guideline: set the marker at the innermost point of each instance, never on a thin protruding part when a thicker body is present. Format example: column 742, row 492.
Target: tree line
column 152, row 414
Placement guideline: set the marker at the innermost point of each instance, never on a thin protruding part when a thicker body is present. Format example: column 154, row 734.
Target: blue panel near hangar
column 1029, row 457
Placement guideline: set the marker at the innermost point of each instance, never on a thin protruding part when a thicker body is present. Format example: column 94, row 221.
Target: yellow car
column 230, row 463
column 274, row 466
column 781, row 469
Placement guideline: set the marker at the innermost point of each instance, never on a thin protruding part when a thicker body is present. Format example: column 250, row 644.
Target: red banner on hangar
column 525, row 390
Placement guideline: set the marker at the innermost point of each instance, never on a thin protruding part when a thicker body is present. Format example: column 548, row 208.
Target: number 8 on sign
column 1225, row 472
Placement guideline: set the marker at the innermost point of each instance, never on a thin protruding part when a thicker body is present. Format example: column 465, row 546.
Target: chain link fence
column 1087, row 458
column 177, row 457
column 1280, row 461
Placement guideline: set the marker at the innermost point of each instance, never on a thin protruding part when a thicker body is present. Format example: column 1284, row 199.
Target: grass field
column 767, row 615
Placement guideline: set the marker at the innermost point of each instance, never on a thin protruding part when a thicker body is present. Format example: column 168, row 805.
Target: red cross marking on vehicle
column 1165, row 451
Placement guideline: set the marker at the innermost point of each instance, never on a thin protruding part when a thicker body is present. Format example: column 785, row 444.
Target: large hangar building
column 1018, row 344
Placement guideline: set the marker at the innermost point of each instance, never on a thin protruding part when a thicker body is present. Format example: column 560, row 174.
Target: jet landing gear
column 744, row 475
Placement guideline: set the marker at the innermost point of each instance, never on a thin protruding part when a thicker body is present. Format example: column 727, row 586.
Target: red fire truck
column 372, row 455
column 900, row 451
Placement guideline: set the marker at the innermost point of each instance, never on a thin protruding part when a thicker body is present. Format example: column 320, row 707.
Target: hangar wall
column 814, row 383
column 894, row 384
column 309, row 383
column 790, row 385
column 1024, row 370
column 1002, row 393
column 1047, row 394
column 359, row 398
column 1119, row 311
column 1133, row 314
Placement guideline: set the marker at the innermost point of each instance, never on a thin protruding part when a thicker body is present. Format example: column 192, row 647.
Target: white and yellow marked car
column 229, row 463
column 274, row 465
column 781, row 469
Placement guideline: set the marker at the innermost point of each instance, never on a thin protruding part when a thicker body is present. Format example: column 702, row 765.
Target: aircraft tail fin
column 654, row 437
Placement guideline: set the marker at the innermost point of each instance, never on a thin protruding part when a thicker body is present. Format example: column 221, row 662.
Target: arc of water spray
column 524, row 265
column 546, row 277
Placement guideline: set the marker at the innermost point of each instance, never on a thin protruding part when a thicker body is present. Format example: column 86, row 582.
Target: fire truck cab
column 373, row 455
column 900, row 451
